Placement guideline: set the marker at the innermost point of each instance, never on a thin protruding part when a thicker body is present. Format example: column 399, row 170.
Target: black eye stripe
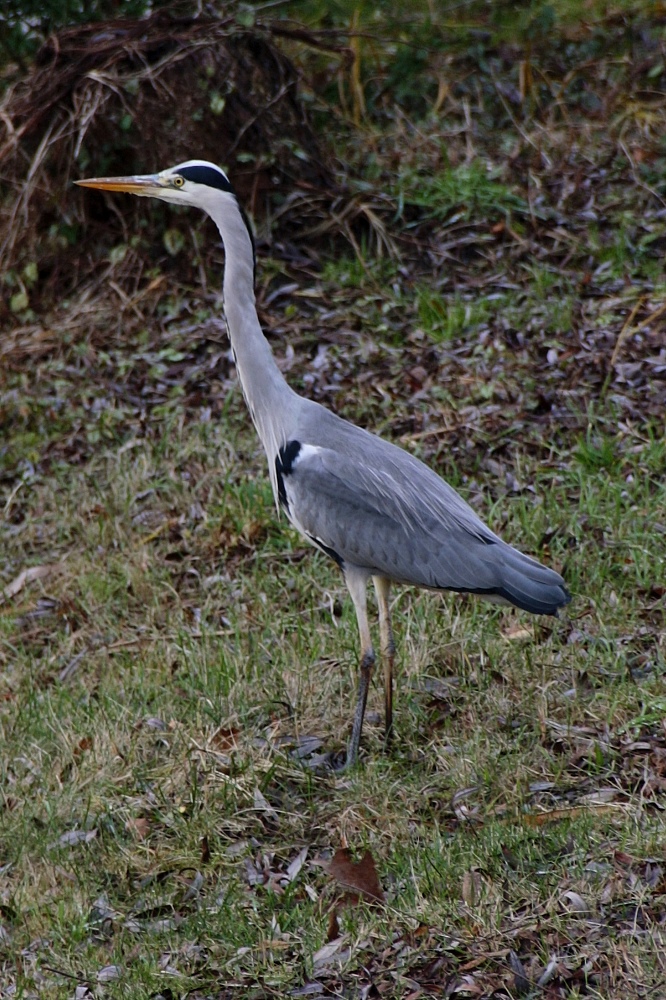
column 213, row 177
column 207, row 175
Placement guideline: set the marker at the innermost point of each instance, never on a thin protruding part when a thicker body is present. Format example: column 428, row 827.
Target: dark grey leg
column 367, row 663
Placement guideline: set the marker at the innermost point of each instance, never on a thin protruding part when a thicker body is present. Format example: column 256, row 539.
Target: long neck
column 268, row 397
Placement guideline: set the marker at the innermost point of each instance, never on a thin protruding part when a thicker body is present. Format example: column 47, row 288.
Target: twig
column 625, row 331
column 122, row 643
column 636, row 178
column 65, row 975
column 70, row 667
column 629, row 331
column 516, row 124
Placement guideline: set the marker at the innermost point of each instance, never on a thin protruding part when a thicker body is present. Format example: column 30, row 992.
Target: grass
column 170, row 675
column 145, row 704
column 460, row 193
column 444, row 320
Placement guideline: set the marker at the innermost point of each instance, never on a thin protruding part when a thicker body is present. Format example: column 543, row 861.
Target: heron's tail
column 529, row 585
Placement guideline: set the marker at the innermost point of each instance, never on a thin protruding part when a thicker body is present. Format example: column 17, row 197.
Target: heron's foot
column 337, row 761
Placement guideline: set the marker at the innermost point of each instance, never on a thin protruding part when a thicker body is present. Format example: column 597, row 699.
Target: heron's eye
column 178, row 182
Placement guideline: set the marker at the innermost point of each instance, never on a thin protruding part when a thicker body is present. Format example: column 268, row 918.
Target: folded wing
column 397, row 518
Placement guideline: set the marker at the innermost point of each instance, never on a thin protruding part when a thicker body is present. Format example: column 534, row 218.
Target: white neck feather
column 269, row 399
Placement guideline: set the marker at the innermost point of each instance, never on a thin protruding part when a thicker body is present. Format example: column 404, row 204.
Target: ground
column 178, row 668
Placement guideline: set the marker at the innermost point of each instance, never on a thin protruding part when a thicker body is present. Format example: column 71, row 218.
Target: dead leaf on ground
column 253, row 873
column 261, row 804
column 327, row 951
column 296, row 865
column 472, row 885
column 517, row 632
column 84, row 744
column 521, row 979
column 74, row 837
column 27, row 576
column 224, row 738
column 109, row 974
column 359, row 880
column 574, row 902
column 356, row 876
column 333, row 930
column 140, row 827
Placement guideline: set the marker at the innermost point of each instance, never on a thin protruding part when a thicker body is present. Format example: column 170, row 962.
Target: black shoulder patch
column 284, row 464
column 288, row 455
column 207, row 175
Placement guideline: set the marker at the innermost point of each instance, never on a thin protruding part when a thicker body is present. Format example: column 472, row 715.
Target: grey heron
column 378, row 511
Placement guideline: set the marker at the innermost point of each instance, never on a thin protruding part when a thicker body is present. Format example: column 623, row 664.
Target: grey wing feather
column 397, row 518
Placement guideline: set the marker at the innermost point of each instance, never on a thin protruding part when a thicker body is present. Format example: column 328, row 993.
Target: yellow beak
column 149, row 184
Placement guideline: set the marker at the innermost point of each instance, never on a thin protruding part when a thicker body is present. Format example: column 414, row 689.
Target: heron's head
column 194, row 182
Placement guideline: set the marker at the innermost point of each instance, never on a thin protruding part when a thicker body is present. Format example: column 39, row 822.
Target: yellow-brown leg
column 382, row 588
column 356, row 582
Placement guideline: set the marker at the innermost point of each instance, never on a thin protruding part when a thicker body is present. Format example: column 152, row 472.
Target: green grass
column 163, row 674
column 462, row 193
column 170, row 659
column 444, row 320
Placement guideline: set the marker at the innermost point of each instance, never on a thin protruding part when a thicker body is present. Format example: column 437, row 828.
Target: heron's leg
column 356, row 582
column 382, row 588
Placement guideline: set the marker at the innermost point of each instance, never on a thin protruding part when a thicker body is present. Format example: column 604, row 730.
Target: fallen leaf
column 306, row 745
column 521, row 980
column 517, row 632
column 261, row 804
column 224, row 739
column 74, row 837
column 154, row 723
column 84, row 744
column 253, row 874
column 296, row 865
column 327, row 951
column 238, row 847
column 101, row 910
column 194, row 885
column 358, row 879
column 358, row 876
column 333, row 931
column 551, row 969
column 578, row 904
column 140, row 827
column 471, row 888
column 71, row 666
column 109, row 973
column 308, row 990
column 27, row 576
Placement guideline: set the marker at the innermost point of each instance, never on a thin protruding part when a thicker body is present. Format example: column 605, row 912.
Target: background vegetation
column 482, row 283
